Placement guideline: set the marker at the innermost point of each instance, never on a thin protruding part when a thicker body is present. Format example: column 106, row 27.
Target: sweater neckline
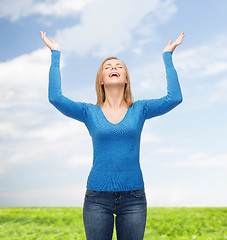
column 115, row 124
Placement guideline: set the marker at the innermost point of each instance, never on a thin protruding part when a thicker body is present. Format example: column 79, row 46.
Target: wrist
column 168, row 51
column 56, row 49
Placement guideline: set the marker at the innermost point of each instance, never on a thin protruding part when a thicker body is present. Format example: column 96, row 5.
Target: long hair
column 100, row 91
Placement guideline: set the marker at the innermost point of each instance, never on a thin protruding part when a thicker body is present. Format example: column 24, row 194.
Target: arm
column 76, row 110
column 156, row 107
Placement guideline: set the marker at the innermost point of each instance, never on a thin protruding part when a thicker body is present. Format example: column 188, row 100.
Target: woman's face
column 114, row 72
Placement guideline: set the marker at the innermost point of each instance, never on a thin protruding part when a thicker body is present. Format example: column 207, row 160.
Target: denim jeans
column 130, row 208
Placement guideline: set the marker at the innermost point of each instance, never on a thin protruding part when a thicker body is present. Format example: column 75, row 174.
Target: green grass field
column 163, row 223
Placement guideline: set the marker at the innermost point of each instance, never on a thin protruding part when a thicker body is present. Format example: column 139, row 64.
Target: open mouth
column 114, row 74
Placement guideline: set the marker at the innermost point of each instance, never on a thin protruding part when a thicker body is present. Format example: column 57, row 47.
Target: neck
column 114, row 98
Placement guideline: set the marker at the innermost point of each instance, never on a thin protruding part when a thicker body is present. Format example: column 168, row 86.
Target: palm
column 171, row 46
column 179, row 39
column 49, row 42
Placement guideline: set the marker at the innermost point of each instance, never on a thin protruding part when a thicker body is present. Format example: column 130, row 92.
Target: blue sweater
column 116, row 147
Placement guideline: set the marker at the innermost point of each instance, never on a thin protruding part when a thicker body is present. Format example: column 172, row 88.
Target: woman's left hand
column 171, row 46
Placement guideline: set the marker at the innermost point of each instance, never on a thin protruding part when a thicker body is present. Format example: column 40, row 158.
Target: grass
column 163, row 223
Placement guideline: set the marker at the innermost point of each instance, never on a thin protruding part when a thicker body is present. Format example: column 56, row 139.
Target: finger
column 182, row 35
column 43, row 36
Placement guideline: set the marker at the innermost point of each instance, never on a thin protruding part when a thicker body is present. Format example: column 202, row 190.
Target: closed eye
column 109, row 67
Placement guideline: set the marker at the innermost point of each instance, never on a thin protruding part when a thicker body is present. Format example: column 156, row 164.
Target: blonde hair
column 100, row 88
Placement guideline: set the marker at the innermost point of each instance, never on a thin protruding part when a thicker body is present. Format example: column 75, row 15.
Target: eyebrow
column 116, row 64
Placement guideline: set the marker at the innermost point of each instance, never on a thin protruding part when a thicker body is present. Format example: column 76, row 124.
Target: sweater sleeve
column 156, row 107
column 72, row 109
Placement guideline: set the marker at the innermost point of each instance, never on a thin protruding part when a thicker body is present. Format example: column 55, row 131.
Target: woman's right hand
column 51, row 44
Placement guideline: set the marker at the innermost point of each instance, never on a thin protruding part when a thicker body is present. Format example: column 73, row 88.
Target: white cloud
column 77, row 160
column 150, row 79
column 219, row 93
column 149, row 137
column 207, row 95
column 29, row 130
column 175, row 196
column 59, row 140
column 193, row 66
column 24, row 8
column 202, row 72
column 24, row 79
column 171, row 150
column 205, row 60
column 182, row 196
column 200, row 160
column 16, row 9
column 60, row 8
column 110, row 28
column 137, row 51
column 45, row 197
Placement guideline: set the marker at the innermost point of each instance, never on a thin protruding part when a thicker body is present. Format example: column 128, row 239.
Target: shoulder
column 139, row 103
column 88, row 105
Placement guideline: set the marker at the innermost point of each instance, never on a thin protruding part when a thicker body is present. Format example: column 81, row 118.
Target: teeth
column 114, row 74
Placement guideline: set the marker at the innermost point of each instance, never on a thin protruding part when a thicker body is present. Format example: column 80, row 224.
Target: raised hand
column 51, row 44
column 171, row 46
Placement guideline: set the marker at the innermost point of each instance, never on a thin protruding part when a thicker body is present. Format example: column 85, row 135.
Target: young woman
column 115, row 184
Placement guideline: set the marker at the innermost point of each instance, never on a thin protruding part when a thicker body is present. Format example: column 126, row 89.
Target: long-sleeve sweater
column 116, row 147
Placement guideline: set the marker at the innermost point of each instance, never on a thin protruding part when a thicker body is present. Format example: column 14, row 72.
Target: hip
column 116, row 202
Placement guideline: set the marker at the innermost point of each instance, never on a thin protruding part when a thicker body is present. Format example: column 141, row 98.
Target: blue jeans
column 130, row 208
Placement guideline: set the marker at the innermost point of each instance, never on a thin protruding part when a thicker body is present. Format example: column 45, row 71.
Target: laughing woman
column 115, row 183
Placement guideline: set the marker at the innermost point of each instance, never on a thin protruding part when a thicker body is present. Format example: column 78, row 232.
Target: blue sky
column 45, row 157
